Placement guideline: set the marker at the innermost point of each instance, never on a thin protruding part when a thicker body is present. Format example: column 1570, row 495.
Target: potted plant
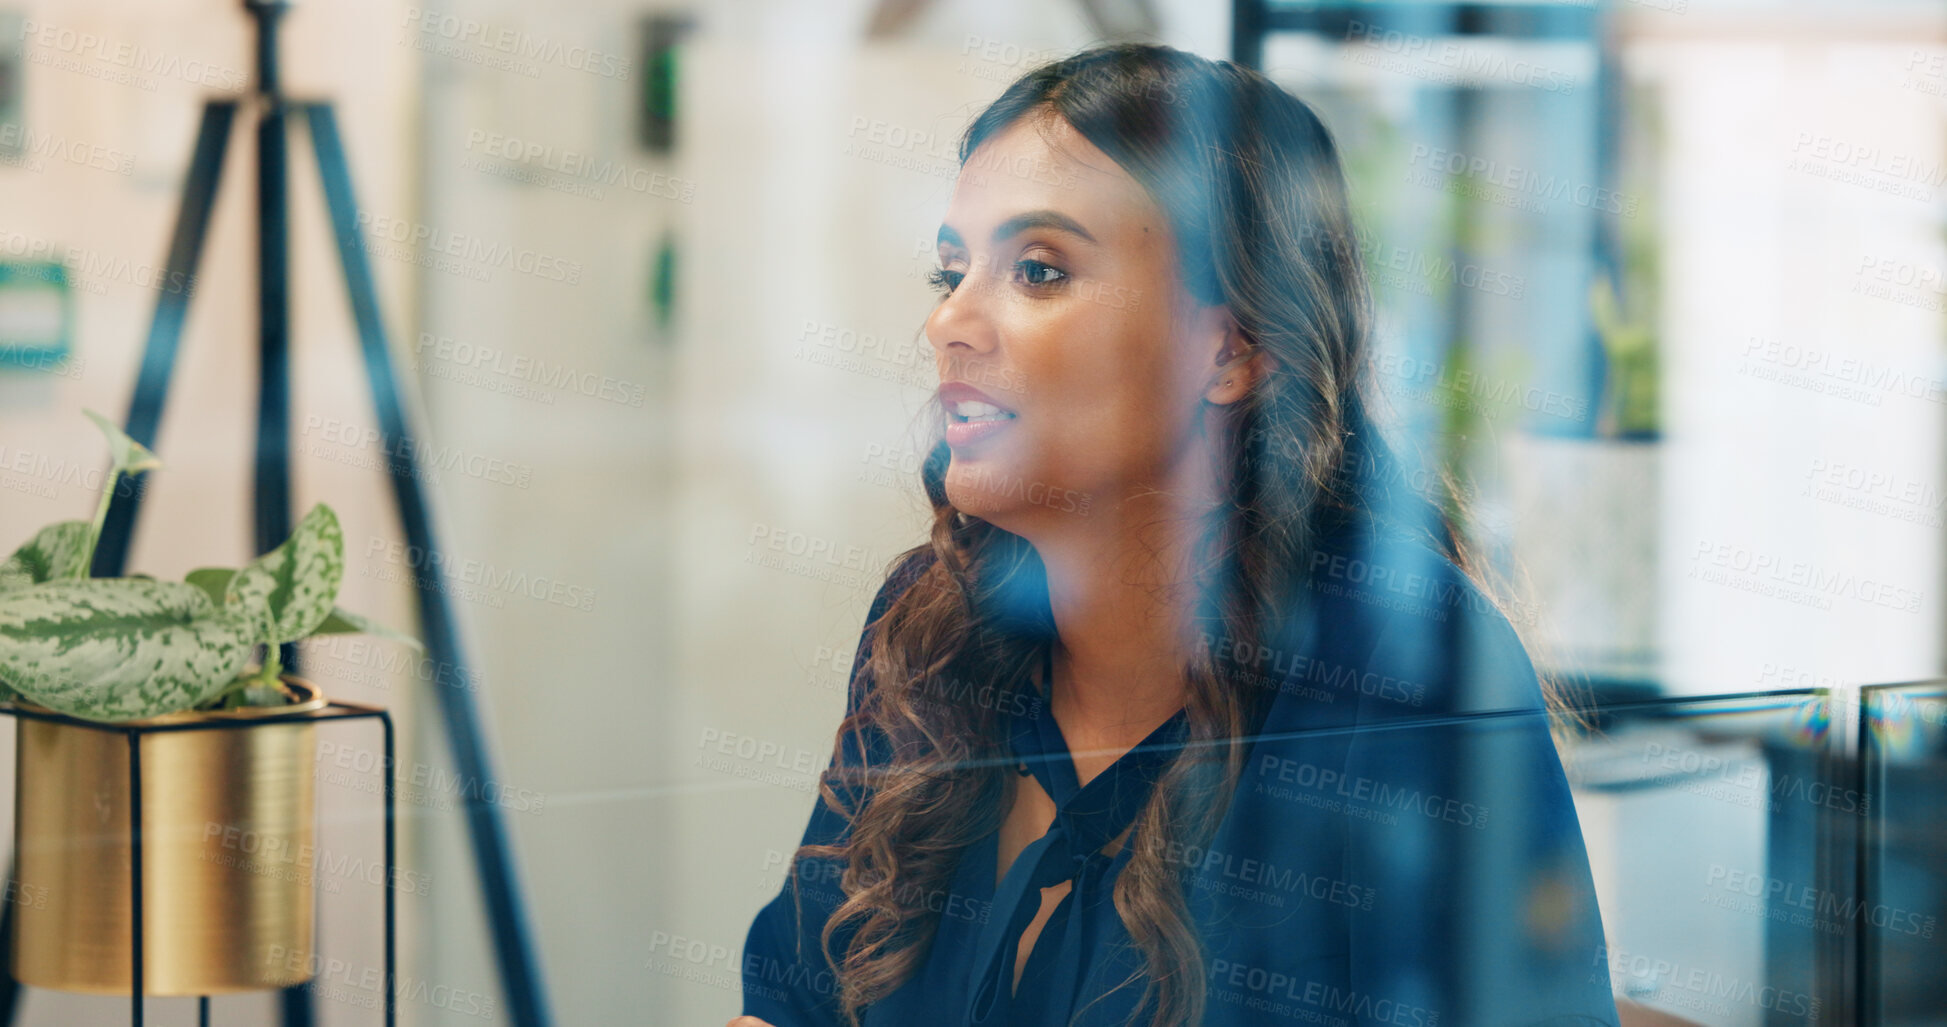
column 227, row 812
column 1586, row 514
column 1587, row 504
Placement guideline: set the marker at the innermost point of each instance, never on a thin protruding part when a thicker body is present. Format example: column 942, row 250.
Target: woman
column 1163, row 725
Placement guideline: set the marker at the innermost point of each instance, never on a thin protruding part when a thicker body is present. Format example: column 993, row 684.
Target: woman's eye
column 1038, row 274
column 1034, row 273
column 944, row 281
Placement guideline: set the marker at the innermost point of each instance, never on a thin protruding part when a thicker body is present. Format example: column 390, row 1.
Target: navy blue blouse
column 1401, row 849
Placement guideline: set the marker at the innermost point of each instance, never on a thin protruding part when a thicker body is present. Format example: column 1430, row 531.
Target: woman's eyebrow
column 1022, row 222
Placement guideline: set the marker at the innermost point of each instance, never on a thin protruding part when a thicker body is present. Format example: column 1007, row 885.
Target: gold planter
column 227, row 855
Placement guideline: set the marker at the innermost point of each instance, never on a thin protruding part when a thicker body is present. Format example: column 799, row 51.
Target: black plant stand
column 277, row 115
column 330, row 712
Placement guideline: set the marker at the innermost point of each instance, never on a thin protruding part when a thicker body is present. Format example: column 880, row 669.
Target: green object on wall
column 662, row 282
column 36, row 310
column 656, row 119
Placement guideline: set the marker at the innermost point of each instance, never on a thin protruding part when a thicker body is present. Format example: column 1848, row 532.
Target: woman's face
column 1063, row 312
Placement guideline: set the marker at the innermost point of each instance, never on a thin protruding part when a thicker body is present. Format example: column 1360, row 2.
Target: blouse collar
column 1086, row 819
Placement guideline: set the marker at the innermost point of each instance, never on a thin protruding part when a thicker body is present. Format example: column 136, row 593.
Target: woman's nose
column 961, row 321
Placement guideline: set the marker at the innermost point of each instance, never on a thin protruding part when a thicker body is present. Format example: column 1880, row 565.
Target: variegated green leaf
column 215, row 581
column 297, row 582
column 118, row 648
column 129, row 455
column 251, row 606
column 345, row 622
column 212, row 580
column 59, row 551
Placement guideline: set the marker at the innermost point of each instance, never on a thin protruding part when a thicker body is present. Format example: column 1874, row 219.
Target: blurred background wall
column 681, row 386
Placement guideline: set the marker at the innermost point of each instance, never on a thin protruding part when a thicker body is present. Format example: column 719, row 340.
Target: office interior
column 1661, row 281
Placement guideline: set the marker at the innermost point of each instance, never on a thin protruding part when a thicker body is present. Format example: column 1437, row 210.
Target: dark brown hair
column 1251, row 183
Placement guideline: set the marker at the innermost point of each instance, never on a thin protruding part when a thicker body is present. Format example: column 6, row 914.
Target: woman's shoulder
column 1390, row 616
column 905, row 572
column 861, row 743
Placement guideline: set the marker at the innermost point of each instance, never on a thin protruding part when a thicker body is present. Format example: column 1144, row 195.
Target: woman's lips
column 962, row 400
column 960, row 434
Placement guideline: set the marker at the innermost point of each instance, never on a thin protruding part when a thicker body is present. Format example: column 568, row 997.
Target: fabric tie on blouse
column 1086, row 819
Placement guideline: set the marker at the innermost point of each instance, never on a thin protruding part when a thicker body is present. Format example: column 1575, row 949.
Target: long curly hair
column 1251, row 183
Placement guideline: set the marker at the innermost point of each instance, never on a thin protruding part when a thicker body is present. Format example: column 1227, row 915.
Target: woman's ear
column 1240, row 365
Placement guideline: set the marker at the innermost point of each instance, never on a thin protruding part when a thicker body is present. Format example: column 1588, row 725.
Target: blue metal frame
column 518, row 961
